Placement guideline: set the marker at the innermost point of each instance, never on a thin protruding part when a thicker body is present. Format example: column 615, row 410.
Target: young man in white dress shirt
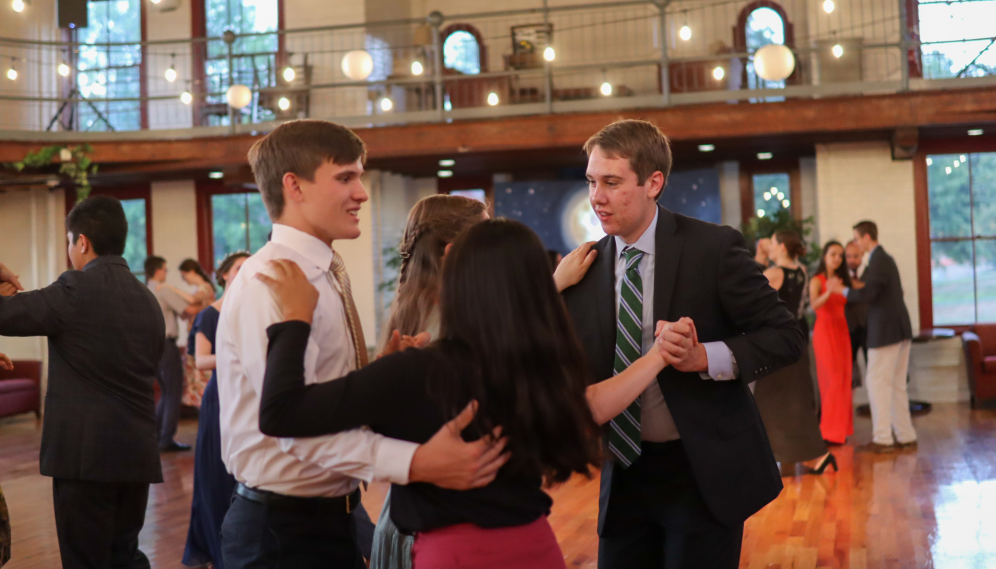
column 294, row 501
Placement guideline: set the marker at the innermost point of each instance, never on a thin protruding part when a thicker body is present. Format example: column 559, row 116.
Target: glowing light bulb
column 12, row 74
column 171, row 74
column 947, row 169
column 186, row 98
column 549, row 54
column 18, row 5
column 767, row 196
column 386, row 104
column 930, row 161
column 289, row 74
column 283, row 103
column 685, row 32
column 963, row 158
column 718, row 73
column 63, row 69
column 786, row 203
column 760, row 213
column 606, row 88
column 492, row 99
column 417, row 68
column 838, row 51
column 828, row 6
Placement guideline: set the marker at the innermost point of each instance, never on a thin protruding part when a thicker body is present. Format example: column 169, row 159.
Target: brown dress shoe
column 877, row 448
column 912, row 445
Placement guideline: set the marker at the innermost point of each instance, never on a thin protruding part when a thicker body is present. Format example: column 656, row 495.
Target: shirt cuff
column 847, row 289
column 394, row 461
column 722, row 364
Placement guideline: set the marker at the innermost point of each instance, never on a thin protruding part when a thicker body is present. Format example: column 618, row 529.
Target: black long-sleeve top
column 391, row 396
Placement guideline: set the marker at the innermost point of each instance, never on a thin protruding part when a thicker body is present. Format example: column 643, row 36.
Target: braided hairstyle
column 433, row 223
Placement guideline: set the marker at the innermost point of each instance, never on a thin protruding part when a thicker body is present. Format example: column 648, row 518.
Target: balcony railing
column 446, row 67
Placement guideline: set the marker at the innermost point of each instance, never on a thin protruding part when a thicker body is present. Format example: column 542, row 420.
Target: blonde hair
column 433, row 223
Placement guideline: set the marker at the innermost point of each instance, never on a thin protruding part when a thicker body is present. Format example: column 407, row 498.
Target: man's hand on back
column 8, row 276
column 7, row 289
column 449, row 462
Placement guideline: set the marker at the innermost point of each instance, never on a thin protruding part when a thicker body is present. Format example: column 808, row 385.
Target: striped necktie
column 337, row 274
column 624, row 429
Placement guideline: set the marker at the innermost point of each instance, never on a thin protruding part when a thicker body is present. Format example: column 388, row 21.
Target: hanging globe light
column 774, row 62
column 238, row 96
column 357, row 65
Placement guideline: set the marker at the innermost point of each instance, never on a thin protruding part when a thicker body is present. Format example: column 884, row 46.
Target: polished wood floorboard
column 933, row 508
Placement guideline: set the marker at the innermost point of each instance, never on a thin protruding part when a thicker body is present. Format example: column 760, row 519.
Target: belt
column 344, row 504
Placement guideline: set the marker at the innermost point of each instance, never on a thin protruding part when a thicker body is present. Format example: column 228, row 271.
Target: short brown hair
column 300, row 147
column 792, row 242
column 867, row 228
column 642, row 143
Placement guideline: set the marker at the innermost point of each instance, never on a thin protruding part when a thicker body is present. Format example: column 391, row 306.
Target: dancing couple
column 655, row 335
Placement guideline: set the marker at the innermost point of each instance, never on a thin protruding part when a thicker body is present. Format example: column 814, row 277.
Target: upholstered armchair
column 980, row 357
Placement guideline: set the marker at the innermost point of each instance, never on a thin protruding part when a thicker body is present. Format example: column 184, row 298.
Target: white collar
column 647, row 242
column 308, row 246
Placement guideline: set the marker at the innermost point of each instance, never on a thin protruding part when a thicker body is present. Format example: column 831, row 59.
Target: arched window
column 462, row 52
column 764, row 26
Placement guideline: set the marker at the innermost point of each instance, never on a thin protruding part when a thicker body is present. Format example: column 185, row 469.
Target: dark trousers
column 98, row 523
column 170, row 378
column 657, row 518
column 858, row 336
column 258, row 536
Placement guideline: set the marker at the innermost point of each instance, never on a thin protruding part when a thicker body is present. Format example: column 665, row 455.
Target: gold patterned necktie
column 337, row 272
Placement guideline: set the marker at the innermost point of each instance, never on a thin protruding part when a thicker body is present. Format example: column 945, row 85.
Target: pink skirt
column 529, row 546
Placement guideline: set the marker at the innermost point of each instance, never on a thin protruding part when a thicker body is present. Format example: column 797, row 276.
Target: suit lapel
column 668, row 254
column 604, row 272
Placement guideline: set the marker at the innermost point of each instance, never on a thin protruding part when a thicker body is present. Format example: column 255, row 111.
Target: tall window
column 764, row 26
column 239, row 223
column 967, row 29
column 462, row 53
column 136, row 244
column 771, row 194
column 254, row 61
column 962, row 197
column 110, row 72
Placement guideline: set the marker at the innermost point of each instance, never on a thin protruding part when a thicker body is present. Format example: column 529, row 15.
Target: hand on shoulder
column 574, row 266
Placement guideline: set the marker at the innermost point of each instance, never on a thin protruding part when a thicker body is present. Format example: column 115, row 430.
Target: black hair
column 226, row 265
column 867, row 228
column 153, row 264
column 102, row 220
column 842, row 273
column 506, row 333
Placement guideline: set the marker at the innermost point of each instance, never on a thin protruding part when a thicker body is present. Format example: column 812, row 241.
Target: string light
column 549, row 54
column 283, row 103
column 760, row 213
column 18, row 5
column 417, row 68
column 12, row 73
column 606, row 88
column 786, row 203
column 718, row 73
column 171, row 74
column 386, row 104
column 492, row 98
column 289, row 74
column 930, row 161
column 838, row 50
column 64, row 69
column 186, row 98
column 685, row 33
column 828, row 6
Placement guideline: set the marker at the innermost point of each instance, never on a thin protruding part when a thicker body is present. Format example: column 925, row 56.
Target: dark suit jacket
column 702, row 271
column 105, row 338
column 856, row 314
column 888, row 319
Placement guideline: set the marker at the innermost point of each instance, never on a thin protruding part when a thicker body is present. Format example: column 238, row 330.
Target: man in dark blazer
column 105, row 338
column 697, row 462
column 889, row 338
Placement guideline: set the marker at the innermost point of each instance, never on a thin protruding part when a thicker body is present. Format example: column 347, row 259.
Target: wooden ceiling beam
column 683, row 123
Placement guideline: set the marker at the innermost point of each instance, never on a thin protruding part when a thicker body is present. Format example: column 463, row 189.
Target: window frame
column 482, row 48
column 204, row 190
column 198, row 54
column 740, row 37
column 125, row 192
column 747, row 173
column 925, row 285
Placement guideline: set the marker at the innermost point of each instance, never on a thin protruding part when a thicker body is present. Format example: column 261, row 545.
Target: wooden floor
column 935, row 507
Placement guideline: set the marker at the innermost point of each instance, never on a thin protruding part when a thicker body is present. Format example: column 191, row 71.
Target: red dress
column 832, row 348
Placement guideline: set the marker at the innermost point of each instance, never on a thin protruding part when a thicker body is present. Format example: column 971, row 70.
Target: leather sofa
column 20, row 388
column 980, row 356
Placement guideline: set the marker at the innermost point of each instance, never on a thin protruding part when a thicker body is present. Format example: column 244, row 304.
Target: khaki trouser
column 890, row 404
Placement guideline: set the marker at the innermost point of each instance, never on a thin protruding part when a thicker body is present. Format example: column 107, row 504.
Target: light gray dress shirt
column 656, row 424
column 171, row 304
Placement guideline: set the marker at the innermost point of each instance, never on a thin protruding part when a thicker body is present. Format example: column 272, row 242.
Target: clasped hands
column 678, row 343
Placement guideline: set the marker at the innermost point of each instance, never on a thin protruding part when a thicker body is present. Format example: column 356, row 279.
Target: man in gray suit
column 889, row 337
column 105, row 338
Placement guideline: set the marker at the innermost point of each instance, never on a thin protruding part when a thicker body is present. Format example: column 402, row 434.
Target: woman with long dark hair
column 505, row 343
column 785, row 398
column 832, row 344
column 213, row 485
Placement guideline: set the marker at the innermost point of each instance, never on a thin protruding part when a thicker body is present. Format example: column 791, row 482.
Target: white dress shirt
column 325, row 466
column 656, row 424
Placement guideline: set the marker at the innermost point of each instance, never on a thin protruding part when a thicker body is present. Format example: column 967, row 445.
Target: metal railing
column 605, row 56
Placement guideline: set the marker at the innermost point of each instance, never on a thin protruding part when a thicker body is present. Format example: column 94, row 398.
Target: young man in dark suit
column 889, row 338
column 857, row 314
column 105, row 338
column 689, row 461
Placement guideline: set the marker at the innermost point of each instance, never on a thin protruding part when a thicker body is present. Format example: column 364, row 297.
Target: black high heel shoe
column 829, row 460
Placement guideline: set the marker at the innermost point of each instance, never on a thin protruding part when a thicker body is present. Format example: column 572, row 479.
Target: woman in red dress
column 832, row 345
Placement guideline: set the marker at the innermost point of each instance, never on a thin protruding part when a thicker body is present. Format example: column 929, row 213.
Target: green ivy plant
column 760, row 227
column 79, row 168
